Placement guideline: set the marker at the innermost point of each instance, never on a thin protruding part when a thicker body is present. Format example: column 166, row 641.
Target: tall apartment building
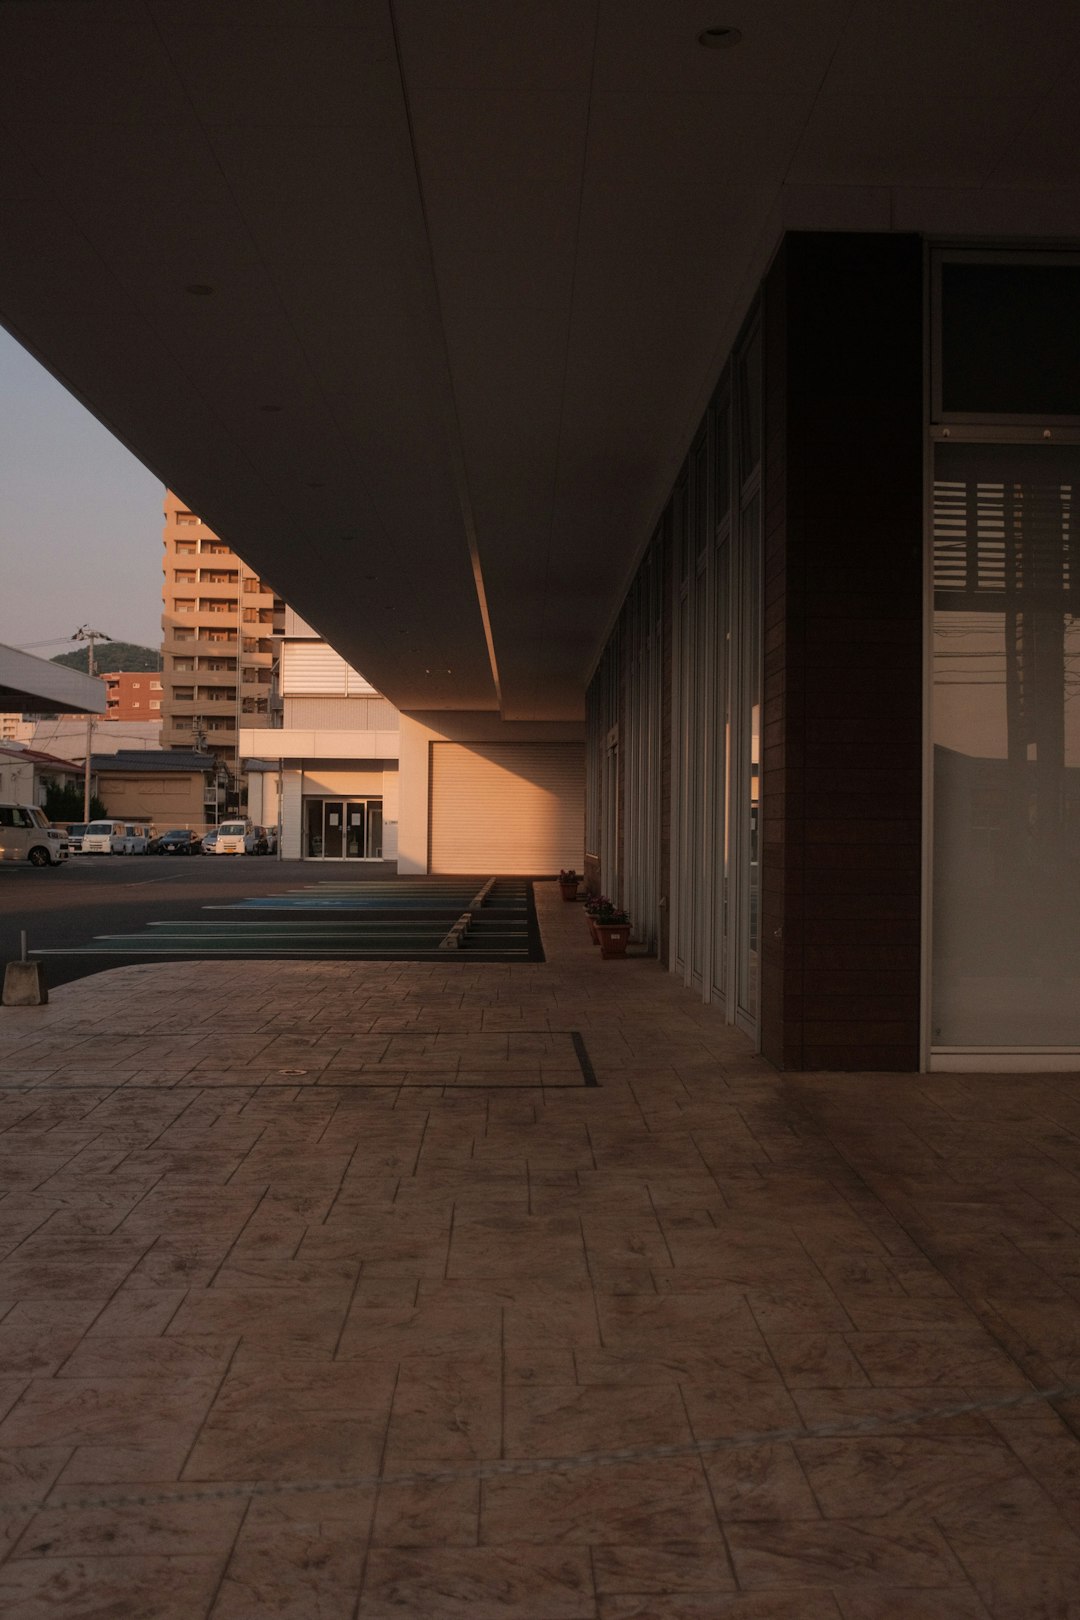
column 218, row 627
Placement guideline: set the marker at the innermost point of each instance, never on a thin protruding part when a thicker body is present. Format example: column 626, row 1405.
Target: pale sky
column 80, row 519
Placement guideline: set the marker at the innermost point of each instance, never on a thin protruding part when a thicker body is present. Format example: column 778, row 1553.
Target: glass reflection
column 1006, row 728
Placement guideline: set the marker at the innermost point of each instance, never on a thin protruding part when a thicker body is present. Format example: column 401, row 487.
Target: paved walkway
column 295, row 1224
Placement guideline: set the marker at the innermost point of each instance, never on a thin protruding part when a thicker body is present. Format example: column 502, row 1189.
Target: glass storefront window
column 1006, row 734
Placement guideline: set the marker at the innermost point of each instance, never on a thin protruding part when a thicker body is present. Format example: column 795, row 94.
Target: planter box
column 613, row 939
column 568, row 891
column 593, row 935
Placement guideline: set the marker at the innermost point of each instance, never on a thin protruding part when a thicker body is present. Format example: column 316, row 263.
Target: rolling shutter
column 504, row 808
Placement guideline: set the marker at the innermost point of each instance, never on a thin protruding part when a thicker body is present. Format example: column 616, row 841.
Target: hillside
column 110, row 655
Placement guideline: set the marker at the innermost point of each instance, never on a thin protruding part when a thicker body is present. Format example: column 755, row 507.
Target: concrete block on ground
column 24, row 985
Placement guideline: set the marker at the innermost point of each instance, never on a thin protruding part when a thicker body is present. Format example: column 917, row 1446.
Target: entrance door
column 333, row 829
column 373, row 848
column 355, row 830
column 343, row 829
column 313, row 830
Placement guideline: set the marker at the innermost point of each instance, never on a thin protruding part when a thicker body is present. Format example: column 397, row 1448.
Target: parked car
column 180, row 841
column 75, row 836
column 209, row 841
column 25, row 835
column 232, row 838
column 102, row 837
column 115, row 838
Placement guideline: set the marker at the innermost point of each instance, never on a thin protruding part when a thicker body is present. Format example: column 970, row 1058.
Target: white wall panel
column 364, row 784
column 391, row 799
column 340, row 714
column 291, row 789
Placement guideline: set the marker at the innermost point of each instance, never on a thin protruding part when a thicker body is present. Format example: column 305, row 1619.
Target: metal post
column 89, row 735
column 84, row 633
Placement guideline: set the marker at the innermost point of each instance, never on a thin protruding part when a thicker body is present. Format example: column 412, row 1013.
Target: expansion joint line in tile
column 841, row 1429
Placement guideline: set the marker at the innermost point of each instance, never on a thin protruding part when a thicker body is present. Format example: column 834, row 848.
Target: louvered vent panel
column 312, row 669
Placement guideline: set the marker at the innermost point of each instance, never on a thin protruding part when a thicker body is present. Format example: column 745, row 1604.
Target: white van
column 115, row 838
column 25, row 835
column 234, row 838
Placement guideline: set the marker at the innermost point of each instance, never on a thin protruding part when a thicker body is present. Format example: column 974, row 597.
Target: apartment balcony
column 190, row 634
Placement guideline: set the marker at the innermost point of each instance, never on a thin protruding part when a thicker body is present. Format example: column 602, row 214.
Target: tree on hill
column 110, row 656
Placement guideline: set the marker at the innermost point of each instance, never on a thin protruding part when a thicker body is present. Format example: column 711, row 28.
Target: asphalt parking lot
column 68, row 905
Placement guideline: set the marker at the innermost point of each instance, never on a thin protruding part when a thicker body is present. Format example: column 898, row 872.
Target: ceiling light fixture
column 719, row 39
column 270, row 408
column 199, row 289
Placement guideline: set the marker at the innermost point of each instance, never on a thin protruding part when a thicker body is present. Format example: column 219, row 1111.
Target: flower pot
column 593, row 935
column 613, row 939
column 568, row 890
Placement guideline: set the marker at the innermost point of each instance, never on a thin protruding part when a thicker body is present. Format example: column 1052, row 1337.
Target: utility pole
column 84, row 633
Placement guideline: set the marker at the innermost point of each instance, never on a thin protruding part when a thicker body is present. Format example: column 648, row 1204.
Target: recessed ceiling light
column 719, row 39
column 199, row 289
column 315, row 483
column 270, row 407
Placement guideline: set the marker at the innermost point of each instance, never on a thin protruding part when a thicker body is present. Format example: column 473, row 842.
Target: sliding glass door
column 343, row 829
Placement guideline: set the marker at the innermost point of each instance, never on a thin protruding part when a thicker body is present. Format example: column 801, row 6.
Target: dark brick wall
column 664, row 542
column 842, row 720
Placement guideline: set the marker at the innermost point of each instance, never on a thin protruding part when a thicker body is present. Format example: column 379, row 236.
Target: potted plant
column 593, row 903
column 611, row 927
column 568, row 883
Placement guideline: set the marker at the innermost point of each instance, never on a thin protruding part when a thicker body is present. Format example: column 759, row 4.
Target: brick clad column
column 842, row 702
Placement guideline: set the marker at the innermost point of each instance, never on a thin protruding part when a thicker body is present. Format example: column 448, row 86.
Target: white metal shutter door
column 507, row 807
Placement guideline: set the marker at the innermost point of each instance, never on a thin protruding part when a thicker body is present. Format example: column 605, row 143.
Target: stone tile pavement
column 266, row 1229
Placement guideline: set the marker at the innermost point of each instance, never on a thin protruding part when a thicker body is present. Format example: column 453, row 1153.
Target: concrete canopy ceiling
column 472, row 266
column 36, row 686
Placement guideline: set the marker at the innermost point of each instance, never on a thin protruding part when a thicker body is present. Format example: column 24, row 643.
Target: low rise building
column 26, row 775
column 327, row 778
column 165, row 789
column 65, row 736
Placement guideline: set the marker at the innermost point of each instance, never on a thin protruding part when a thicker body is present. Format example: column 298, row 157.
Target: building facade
column 717, row 382
column 26, row 775
column 348, row 778
column 834, row 758
column 219, row 624
column 164, row 789
column 65, row 736
column 133, row 695
column 327, row 778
